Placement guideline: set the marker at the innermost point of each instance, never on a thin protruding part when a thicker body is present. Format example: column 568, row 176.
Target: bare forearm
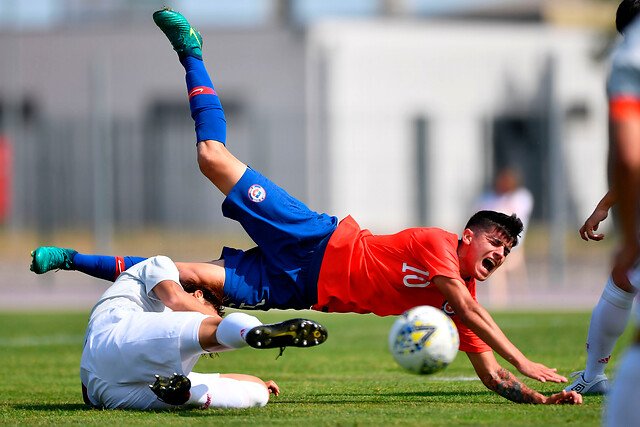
column 607, row 201
column 481, row 322
column 508, row 386
column 190, row 304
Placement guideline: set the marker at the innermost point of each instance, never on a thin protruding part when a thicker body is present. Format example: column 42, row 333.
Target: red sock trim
column 119, row 266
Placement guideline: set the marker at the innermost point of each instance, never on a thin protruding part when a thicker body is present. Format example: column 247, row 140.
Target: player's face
column 484, row 252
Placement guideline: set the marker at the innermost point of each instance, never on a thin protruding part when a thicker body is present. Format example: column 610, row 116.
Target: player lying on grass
column 304, row 259
column 131, row 337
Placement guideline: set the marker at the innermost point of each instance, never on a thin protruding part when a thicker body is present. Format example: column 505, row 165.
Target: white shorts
column 634, row 278
column 124, row 349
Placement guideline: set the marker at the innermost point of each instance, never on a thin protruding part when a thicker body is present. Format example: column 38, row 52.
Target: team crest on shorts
column 257, row 193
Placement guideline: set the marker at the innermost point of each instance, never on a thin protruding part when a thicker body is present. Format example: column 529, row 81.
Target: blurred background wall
column 399, row 112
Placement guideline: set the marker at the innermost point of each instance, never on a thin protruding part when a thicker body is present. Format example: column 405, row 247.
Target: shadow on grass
column 412, row 394
column 384, row 398
column 81, row 407
column 53, row 407
column 315, row 399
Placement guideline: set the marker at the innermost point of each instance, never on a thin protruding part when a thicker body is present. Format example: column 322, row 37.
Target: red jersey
column 388, row 274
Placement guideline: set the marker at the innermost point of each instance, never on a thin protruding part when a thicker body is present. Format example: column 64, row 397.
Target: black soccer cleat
column 174, row 390
column 290, row 333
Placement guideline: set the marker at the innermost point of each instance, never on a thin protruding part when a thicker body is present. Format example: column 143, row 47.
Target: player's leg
column 215, row 161
column 608, row 321
column 107, row 267
column 286, row 231
column 238, row 330
column 622, row 402
column 226, row 391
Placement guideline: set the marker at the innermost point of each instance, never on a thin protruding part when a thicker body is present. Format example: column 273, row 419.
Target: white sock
column 214, row 391
column 622, row 402
column 608, row 321
column 232, row 328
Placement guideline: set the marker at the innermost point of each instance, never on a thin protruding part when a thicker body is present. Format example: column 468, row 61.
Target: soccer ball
column 424, row 340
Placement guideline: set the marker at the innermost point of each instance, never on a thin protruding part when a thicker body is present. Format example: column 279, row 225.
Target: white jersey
column 134, row 288
column 624, row 77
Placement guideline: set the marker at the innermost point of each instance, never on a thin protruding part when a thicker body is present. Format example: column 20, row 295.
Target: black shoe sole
column 174, row 390
column 290, row 333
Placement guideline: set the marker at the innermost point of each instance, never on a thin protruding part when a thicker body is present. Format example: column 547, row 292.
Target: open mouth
column 489, row 264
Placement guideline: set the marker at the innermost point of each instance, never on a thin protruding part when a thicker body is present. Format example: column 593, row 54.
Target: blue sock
column 105, row 267
column 206, row 109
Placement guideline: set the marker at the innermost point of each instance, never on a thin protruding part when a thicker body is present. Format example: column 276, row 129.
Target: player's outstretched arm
column 599, row 214
column 203, row 274
column 504, row 383
column 479, row 320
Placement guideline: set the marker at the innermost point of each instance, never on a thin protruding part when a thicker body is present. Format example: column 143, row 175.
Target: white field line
column 454, row 379
column 33, row 341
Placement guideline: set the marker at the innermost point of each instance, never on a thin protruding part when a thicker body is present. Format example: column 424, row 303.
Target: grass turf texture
column 349, row 380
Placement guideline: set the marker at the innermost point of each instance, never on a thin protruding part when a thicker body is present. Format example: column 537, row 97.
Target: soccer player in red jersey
column 304, row 259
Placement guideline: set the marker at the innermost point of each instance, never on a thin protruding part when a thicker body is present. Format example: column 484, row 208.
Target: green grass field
column 349, row 380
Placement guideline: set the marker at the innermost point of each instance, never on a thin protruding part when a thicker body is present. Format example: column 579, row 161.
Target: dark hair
column 626, row 13
column 216, row 299
column 510, row 225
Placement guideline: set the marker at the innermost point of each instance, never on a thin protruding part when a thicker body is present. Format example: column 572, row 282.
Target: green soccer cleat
column 290, row 333
column 47, row 258
column 183, row 37
column 174, row 390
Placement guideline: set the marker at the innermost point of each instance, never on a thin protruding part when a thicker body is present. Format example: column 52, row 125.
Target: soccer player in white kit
column 624, row 154
column 146, row 325
column 611, row 314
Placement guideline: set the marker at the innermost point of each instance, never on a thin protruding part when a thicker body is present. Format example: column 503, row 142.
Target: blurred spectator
column 508, row 196
column 5, row 179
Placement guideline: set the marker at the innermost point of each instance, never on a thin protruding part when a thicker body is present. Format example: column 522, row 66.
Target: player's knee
column 619, row 295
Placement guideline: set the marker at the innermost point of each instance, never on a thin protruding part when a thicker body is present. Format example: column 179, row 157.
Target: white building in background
column 474, row 86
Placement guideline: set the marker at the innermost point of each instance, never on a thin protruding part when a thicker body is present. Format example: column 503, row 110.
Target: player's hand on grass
column 272, row 387
column 564, row 398
column 590, row 226
column 540, row 372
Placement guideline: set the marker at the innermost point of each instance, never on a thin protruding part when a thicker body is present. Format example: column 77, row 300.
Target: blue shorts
column 282, row 271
